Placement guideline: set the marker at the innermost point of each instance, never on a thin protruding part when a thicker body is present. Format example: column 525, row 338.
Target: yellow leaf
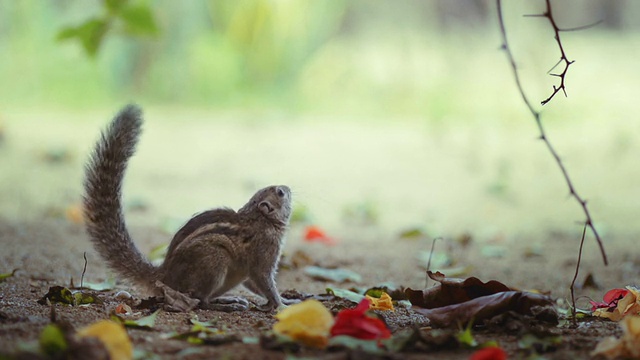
column 112, row 335
column 383, row 303
column 73, row 213
column 628, row 346
column 308, row 322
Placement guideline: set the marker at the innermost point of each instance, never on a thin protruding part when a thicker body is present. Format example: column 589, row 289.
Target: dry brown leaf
column 460, row 301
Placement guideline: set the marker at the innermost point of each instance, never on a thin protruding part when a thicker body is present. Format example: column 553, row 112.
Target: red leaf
column 356, row 323
column 315, row 234
column 611, row 299
column 489, row 353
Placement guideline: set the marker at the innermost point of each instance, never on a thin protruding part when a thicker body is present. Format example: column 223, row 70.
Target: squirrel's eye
column 280, row 192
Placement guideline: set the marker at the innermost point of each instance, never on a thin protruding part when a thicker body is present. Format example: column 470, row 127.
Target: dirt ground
column 362, row 183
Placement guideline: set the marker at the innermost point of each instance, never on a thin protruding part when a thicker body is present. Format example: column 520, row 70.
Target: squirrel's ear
column 265, row 207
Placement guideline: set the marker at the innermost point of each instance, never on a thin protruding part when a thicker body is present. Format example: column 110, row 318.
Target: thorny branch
column 538, row 117
column 563, row 56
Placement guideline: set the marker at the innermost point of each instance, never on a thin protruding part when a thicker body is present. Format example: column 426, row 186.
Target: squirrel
column 212, row 253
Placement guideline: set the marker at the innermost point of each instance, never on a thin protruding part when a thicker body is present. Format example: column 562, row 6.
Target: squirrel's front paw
column 269, row 307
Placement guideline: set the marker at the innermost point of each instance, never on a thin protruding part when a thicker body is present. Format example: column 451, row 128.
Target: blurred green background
column 413, row 58
column 404, row 113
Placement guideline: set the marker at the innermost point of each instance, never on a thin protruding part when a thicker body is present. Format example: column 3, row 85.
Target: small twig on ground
column 84, row 255
column 538, row 117
column 575, row 276
column 433, row 245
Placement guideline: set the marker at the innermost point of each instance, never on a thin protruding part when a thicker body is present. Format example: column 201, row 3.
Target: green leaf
column 62, row 295
column 530, row 341
column 337, row 275
column 346, row 294
column 138, row 20
column 253, row 340
column 5, row 276
column 108, row 284
column 114, row 6
column 206, row 327
column 465, row 337
column 413, row 234
column 145, row 322
column 81, row 298
column 57, row 294
column 368, row 346
column 90, row 34
column 52, row 340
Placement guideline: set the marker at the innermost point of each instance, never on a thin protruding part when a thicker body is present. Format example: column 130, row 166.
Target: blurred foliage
column 342, row 57
column 135, row 19
column 274, row 39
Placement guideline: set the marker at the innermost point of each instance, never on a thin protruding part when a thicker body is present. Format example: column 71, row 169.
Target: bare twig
column 575, row 276
column 538, row 117
column 84, row 255
column 433, row 245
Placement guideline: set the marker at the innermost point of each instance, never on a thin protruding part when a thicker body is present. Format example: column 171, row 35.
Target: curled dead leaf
column 460, row 301
column 384, row 302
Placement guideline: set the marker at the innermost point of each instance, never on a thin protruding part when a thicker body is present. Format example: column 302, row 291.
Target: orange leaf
column 315, row 234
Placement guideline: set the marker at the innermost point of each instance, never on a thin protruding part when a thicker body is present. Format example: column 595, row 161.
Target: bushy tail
column 102, row 200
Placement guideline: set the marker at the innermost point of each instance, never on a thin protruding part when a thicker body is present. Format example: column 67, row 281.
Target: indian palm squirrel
column 212, row 253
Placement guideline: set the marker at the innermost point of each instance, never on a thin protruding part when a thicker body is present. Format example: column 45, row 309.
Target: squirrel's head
column 273, row 202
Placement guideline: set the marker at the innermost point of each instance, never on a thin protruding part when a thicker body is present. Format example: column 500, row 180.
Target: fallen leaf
column 384, row 302
column 74, row 213
column 175, row 300
column 484, row 307
column 539, row 344
column 413, row 234
column 455, row 301
column 489, row 353
column 451, row 291
column 628, row 305
column 465, row 337
column 123, row 309
column 145, row 322
column 107, row 284
column 62, row 295
column 337, row 275
column 112, row 335
column 590, row 282
column 300, row 259
column 52, row 340
column 356, row 323
column 314, row 233
column 205, row 333
column 439, row 260
column 493, row 251
column 610, row 298
column 5, row 276
column 346, row 294
column 628, row 346
column 371, row 347
column 308, row 322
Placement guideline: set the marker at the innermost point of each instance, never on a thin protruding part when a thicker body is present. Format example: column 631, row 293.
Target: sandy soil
column 495, row 183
